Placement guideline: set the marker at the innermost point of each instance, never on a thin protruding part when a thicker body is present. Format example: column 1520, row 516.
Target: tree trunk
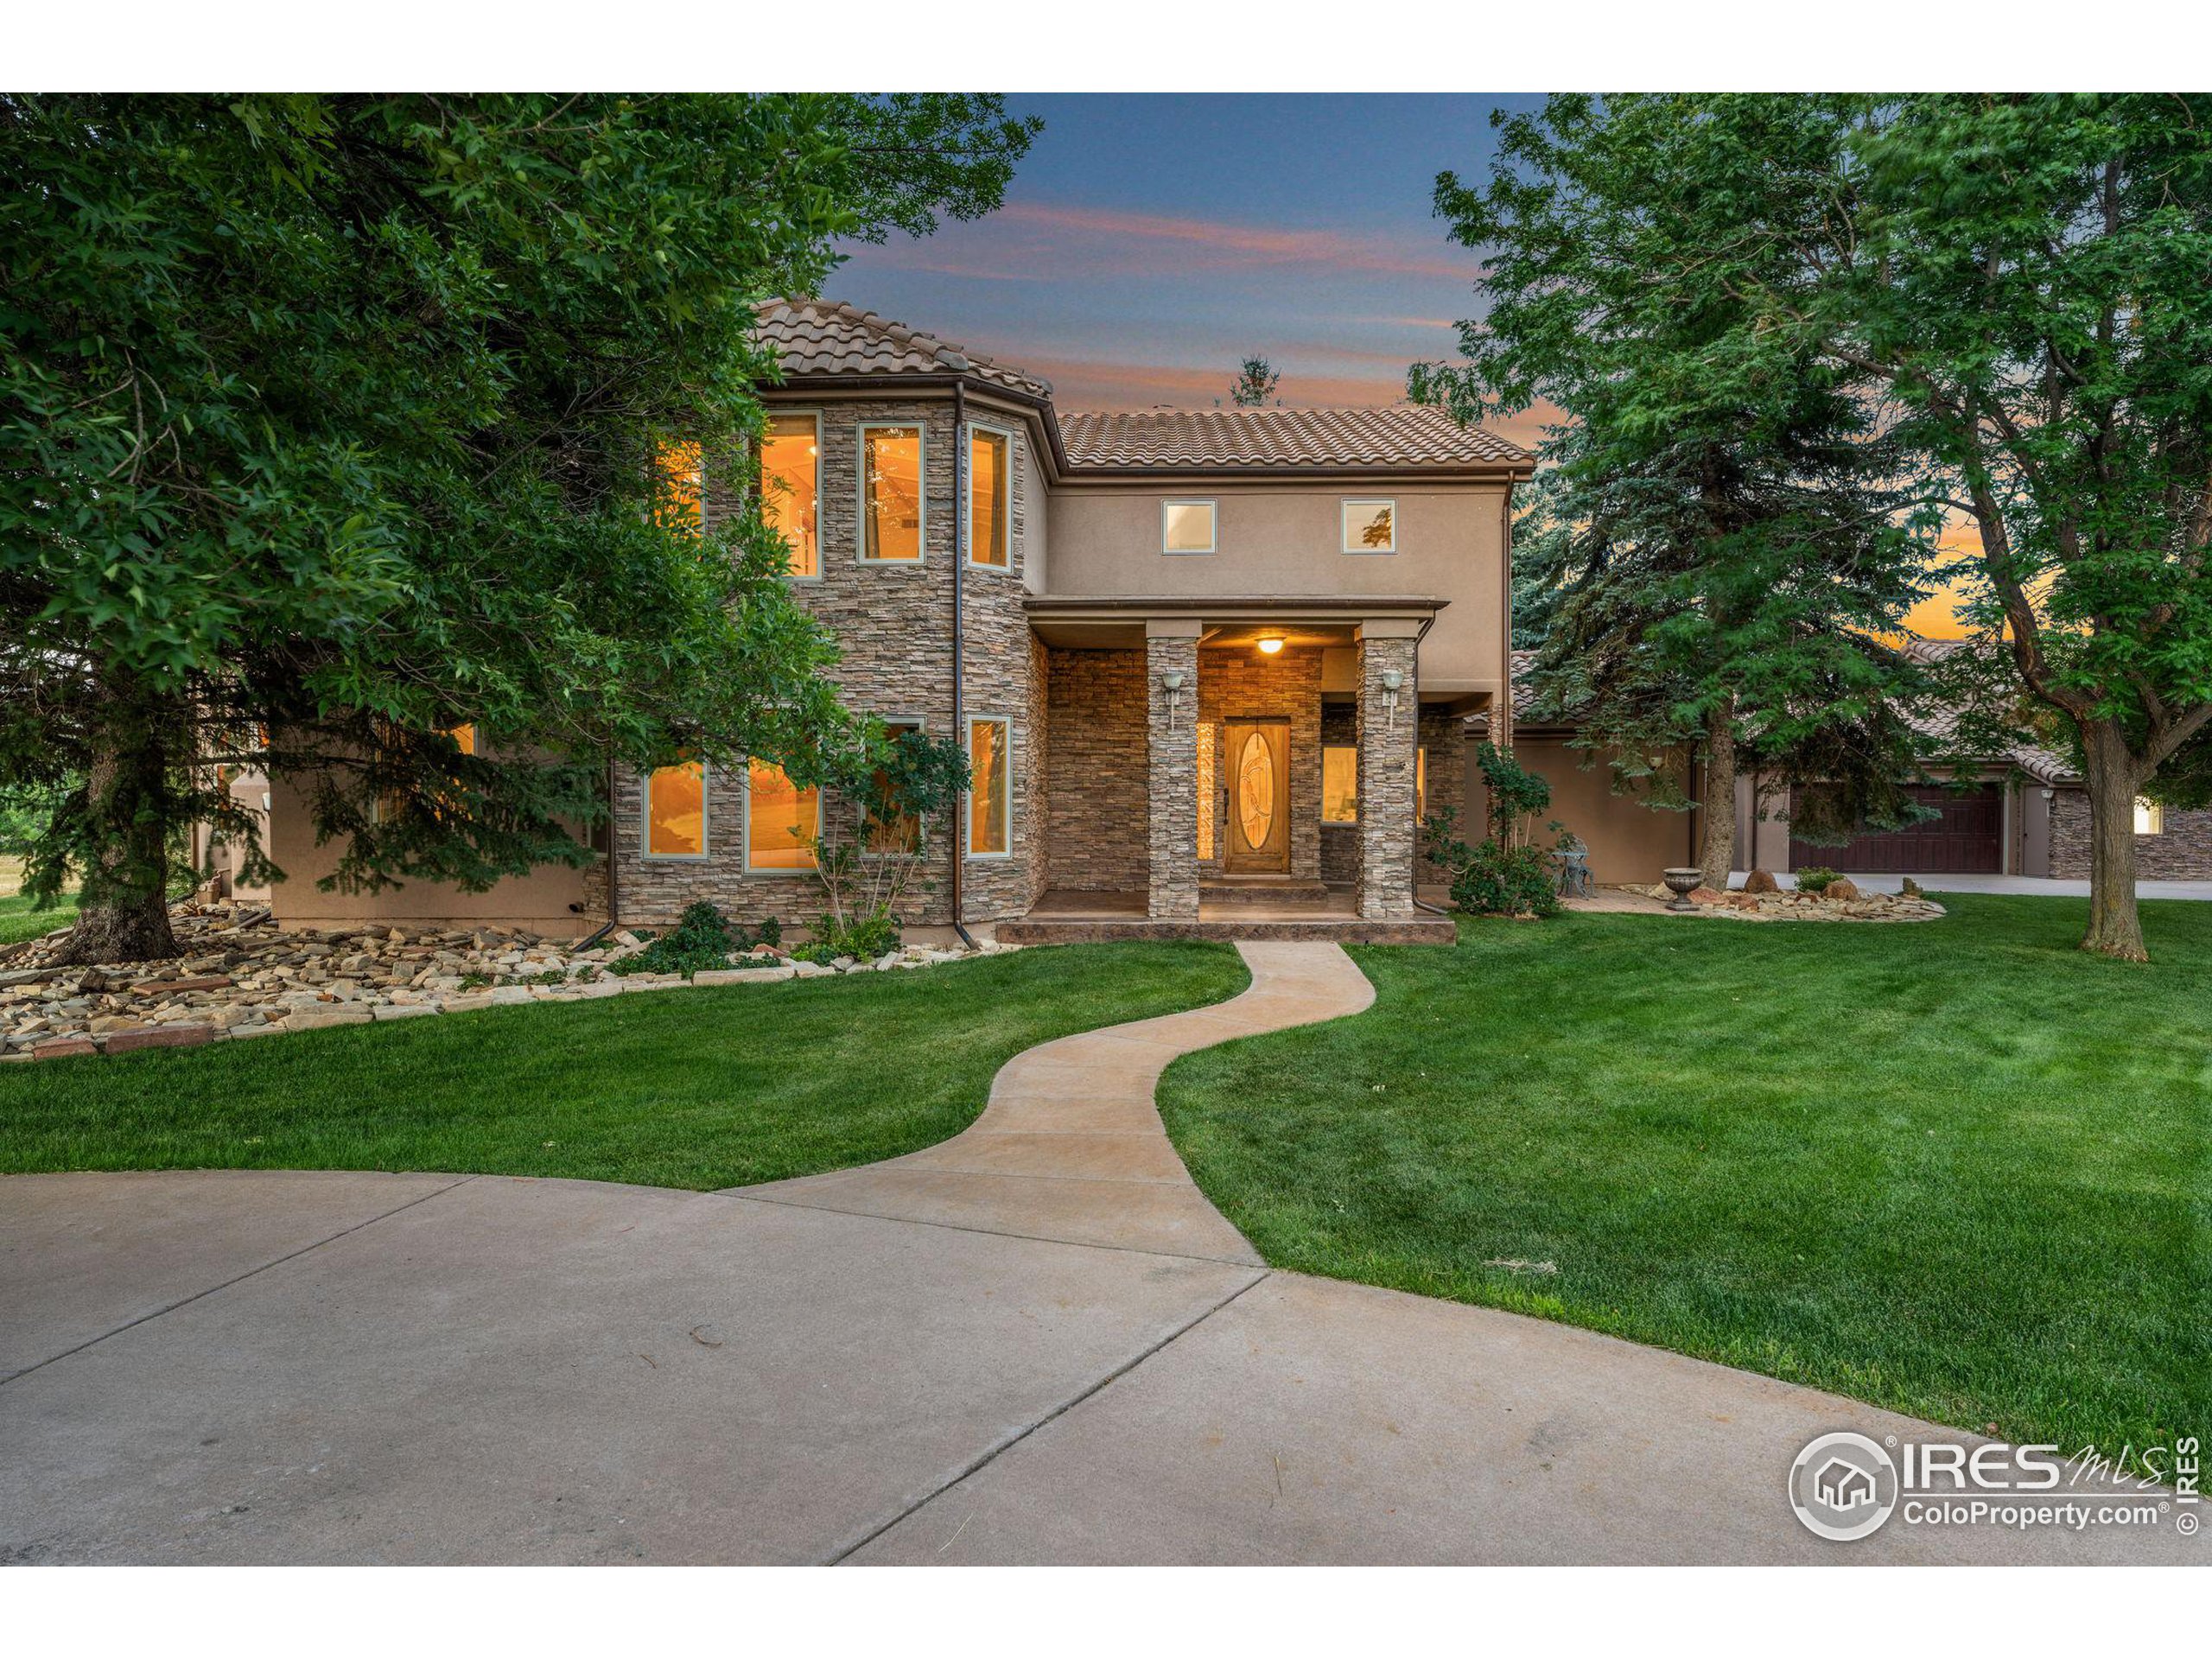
column 1717, row 850
column 2113, row 776
column 122, row 915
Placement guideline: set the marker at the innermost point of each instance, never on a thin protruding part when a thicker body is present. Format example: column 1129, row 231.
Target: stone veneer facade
column 1445, row 736
column 1097, row 839
column 1171, row 772
column 2181, row 852
column 1389, row 725
column 894, row 623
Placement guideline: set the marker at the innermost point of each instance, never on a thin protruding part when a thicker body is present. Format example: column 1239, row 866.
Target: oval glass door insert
column 1256, row 789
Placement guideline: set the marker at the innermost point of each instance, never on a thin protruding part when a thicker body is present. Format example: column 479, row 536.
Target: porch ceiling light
column 1270, row 644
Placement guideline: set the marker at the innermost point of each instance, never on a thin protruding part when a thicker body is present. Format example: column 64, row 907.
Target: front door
column 1256, row 764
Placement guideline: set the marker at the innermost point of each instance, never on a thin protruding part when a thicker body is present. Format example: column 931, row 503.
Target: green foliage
column 330, row 423
column 1718, row 540
column 1815, row 878
column 1255, row 385
column 1489, row 879
column 703, row 939
column 1515, row 793
column 868, row 870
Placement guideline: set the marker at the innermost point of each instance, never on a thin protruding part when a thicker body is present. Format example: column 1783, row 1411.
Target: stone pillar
column 1388, row 736
column 1171, row 649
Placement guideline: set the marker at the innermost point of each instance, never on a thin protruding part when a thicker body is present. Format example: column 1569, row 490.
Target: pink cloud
column 1241, row 244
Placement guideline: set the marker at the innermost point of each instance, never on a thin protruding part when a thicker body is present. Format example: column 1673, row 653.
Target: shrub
column 702, row 939
column 1815, row 877
column 1490, row 880
column 867, row 936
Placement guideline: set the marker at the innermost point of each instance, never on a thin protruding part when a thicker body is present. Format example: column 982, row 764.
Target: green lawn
column 1958, row 1168
column 19, row 921
column 703, row 1088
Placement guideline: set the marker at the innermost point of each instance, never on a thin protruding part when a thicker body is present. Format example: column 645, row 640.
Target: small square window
column 1186, row 527
column 1370, row 526
column 2150, row 818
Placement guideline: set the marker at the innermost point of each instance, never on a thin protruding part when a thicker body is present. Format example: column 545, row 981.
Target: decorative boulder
column 1842, row 891
column 1761, row 882
column 1706, row 896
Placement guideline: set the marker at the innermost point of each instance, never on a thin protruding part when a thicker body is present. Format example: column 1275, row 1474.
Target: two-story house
column 1209, row 667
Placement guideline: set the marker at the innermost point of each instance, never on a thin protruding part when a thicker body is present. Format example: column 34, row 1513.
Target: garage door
column 1964, row 840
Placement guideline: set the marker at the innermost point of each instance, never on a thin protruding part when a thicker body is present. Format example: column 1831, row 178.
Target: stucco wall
column 1283, row 538
column 1628, row 841
column 540, row 901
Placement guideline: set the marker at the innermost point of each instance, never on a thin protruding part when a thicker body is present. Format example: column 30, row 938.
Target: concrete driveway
column 1001, row 1350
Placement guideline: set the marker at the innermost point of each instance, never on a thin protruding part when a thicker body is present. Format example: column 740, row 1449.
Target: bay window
column 790, row 479
column 990, row 496
column 892, row 511
column 990, row 794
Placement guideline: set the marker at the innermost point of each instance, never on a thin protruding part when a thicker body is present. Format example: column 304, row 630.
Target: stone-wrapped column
column 1388, row 738
column 1171, row 649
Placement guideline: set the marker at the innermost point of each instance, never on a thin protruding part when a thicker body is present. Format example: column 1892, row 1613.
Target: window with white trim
column 990, row 786
column 1370, row 526
column 1187, row 527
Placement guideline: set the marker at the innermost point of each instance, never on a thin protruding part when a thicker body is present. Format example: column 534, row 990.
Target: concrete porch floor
column 1064, row 916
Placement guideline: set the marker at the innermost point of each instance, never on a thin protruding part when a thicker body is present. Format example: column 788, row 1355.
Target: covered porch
column 1251, row 768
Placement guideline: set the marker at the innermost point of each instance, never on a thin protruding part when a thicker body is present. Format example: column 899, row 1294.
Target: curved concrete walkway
column 1035, row 1342
column 1071, row 1145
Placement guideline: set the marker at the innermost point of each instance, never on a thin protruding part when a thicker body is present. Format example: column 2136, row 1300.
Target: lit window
column 1420, row 783
column 990, row 496
column 990, row 800
column 781, row 820
column 1370, row 526
column 681, row 501
column 1186, row 527
column 1205, row 789
column 391, row 805
column 464, row 738
column 675, row 812
column 1340, row 784
column 891, row 493
column 2150, row 818
column 790, row 477
column 886, row 827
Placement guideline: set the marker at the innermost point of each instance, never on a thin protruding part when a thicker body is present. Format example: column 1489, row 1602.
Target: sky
column 1149, row 243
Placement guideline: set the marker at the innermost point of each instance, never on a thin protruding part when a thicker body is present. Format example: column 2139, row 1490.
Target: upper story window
column 1370, row 526
column 791, row 487
column 1186, row 527
column 891, row 508
column 675, row 812
column 990, row 497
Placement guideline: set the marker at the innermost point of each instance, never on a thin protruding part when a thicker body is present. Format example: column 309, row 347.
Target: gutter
column 959, row 634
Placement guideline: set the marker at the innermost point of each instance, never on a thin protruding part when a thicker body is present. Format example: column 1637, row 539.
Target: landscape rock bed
column 240, row 976
column 1789, row 906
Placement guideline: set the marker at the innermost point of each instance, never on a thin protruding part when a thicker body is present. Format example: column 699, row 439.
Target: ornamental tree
column 1717, row 544
column 330, row 426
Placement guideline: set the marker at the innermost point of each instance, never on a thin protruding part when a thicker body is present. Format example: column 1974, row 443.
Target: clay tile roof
column 829, row 337
column 1399, row 435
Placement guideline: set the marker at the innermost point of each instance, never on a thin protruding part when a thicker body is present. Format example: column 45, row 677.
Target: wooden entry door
column 1256, row 762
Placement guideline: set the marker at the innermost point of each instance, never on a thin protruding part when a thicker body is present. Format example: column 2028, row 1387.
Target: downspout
column 959, row 633
column 613, row 863
column 1419, row 902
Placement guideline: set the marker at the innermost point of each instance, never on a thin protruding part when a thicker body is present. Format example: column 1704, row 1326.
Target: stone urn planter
column 1682, row 883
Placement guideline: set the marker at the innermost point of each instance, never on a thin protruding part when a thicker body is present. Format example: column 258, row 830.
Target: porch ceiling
column 1311, row 619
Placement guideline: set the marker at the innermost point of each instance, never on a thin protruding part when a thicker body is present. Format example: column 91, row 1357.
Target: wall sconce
column 1270, row 644
column 1391, row 681
column 1171, row 682
column 2049, row 794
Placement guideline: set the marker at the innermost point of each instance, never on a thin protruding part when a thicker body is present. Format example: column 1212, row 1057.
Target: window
column 791, row 488
column 1186, row 527
column 891, row 508
column 675, row 812
column 1340, row 784
column 990, row 496
column 681, row 500
column 2150, row 818
column 1370, row 526
column 886, row 827
column 990, row 800
column 1205, row 788
column 389, row 806
column 781, row 820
